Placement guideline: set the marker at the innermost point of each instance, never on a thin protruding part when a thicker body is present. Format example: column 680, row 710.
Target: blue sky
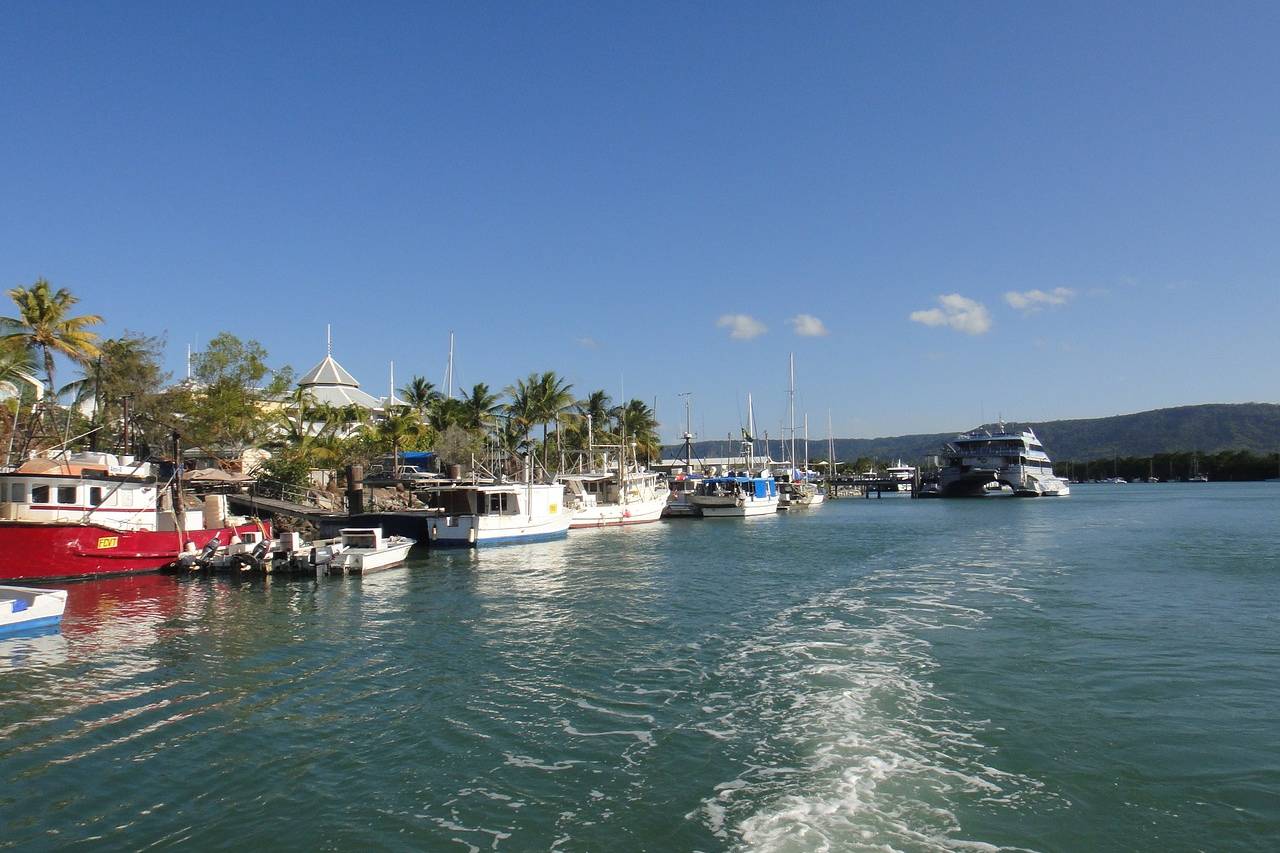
column 600, row 189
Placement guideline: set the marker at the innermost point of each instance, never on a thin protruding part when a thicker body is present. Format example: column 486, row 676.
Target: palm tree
column 596, row 406
column 447, row 413
column 16, row 364
column 481, row 408
column 521, row 406
column 42, row 323
column 420, row 394
column 400, row 429
column 555, row 399
column 636, row 422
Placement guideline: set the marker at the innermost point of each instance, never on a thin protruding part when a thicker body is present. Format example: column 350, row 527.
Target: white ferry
column 1001, row 455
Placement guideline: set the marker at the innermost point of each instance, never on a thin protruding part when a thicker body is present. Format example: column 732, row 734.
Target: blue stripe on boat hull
column 501, row 540
column 30, row 625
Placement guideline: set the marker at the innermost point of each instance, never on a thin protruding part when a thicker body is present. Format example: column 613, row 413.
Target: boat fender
column 471, row 536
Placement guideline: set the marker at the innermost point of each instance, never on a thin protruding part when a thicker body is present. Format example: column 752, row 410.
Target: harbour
column 1089, row 673
column 821, row 428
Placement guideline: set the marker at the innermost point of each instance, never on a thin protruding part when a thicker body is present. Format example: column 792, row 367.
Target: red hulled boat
column 85, row 515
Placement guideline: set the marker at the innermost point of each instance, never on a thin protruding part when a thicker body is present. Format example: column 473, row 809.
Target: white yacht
column 1002, row 455
column 901, row 477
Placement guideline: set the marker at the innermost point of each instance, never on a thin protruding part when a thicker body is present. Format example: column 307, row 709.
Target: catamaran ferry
column 999, row 454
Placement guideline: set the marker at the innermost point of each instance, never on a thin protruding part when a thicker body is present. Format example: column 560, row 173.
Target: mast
column 751, row 434
column 448, row 371
column 791, row 394
column 688, row 434
column 806, row 442
column 831, row 449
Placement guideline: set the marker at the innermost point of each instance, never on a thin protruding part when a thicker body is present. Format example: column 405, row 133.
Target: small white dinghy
column 365, row 549
column 24, row 608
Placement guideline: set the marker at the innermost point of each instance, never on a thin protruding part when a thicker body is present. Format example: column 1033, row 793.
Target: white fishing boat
column 739, row 494
column 468, row 514
column 613, row 498
column 736, row 495
column 365, row 550
column 24, row 608
column 610, row 489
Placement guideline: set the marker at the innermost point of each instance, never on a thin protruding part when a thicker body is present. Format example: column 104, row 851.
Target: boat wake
column 856, row 748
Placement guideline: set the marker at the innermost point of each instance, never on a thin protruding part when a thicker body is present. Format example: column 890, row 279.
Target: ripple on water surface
column 873, row 675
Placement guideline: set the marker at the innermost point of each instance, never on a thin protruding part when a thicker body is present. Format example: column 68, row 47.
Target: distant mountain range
column 1206, row 428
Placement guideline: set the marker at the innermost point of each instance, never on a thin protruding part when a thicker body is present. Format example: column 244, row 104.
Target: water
column 1092, row 673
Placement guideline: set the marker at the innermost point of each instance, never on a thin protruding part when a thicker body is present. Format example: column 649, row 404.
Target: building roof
column 328, row 372
column 331, row 385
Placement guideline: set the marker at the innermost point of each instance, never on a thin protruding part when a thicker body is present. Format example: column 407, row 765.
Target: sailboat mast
column 792, row 395
column 751, row 434
column 448, row 372
column 806, row 441
column 688, row 434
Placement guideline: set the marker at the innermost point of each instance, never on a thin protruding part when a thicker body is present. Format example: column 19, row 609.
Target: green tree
column 595, row 407
column 635, row 423
column 481, row 408
column 17, row 366
column 229, row 406
column 127, row 366
column 420, row 394
column 43, row 325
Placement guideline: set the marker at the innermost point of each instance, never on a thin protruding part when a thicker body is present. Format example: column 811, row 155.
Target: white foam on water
column 842, row 685
column 644, row 737
column 587, row 706
column 513, row 760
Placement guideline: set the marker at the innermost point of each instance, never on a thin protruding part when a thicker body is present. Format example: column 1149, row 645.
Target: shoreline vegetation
column 233, row 401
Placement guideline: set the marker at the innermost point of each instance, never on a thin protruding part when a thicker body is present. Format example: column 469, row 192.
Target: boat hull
column 469, row 531
column 729, row 508
column 368, row 562
column 618, row 515
column 26, row 609
column 44, row 552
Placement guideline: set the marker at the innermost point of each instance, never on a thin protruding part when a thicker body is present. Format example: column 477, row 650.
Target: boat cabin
column 97, row 487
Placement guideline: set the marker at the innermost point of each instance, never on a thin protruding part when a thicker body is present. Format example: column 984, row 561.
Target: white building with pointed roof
column 329, row 384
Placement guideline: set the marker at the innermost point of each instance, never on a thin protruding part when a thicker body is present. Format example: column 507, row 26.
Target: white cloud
column 1034, row 300
column 808, row 326
column 588, row 343
column 742, row 327
column 958, row 312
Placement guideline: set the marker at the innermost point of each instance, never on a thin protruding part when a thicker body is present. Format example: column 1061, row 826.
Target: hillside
column 1206, row 428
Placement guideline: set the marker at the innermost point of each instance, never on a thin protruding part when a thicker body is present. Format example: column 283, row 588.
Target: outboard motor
column 207, row 552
